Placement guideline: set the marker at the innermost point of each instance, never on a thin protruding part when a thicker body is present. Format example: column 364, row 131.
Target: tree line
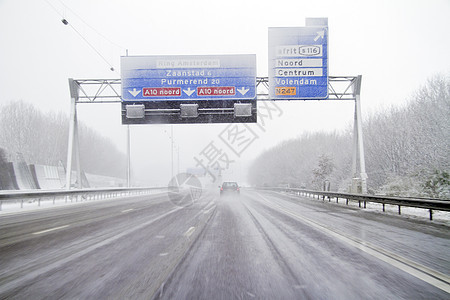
column 29, row 134
column 406, row 150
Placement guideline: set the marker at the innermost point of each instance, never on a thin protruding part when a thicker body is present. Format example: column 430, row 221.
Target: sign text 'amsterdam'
column 188, row 77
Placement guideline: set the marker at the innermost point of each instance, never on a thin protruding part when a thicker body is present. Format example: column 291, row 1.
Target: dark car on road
column 229, row 187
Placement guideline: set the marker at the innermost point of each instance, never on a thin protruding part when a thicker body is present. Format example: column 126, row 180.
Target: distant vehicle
column 229, row 187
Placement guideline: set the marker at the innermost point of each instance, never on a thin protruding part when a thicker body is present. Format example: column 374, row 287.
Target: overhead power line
column 93, row 29
column 66, row 22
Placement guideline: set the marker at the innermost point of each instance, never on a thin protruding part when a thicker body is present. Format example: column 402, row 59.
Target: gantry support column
column 358, row 171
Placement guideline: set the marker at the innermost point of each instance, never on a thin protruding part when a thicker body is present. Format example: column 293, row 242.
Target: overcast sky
column 395, row 45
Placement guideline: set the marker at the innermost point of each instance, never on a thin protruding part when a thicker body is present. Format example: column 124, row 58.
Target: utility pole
column 171, row 147
column 128, row 157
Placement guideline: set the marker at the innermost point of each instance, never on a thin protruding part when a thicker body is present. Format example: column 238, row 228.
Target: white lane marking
column 51, row 229
column 251, row 295
column 189, row 232
column 208, row 210
column 160, row 236
column 433, row 277
column 164, row 254
column 127, row 210
column 33, row 274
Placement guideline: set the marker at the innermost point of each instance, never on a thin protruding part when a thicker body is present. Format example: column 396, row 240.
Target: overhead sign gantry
column 223, row 88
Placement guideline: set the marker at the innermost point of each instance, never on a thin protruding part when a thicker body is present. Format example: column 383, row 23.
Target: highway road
column 259, row 245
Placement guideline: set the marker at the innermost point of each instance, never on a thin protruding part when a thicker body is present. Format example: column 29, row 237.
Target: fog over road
column 257, row 245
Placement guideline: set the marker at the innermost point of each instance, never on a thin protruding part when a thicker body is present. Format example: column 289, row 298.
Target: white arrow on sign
column 189, row 91
column 134, row 92
column 320, row 34
column 243, row 91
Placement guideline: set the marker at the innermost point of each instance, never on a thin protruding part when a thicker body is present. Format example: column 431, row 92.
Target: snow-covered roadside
column 440, row 217
column 9, row 207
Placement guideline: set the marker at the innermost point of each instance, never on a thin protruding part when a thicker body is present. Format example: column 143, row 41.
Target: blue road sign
column 298, row 63
column 188, row 77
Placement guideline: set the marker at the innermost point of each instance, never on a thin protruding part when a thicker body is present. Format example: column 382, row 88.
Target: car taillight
column 221, row 189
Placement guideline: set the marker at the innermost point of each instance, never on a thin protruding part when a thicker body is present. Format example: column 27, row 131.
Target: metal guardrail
column 425, row 203
column 76, row 195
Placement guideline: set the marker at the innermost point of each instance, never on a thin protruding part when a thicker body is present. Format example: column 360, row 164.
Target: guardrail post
column 423, row 203
column 431, row 213
column 19, row 197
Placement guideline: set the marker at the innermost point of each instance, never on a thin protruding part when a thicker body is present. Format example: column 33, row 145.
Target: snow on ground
column 14, row 206
column 440, row 217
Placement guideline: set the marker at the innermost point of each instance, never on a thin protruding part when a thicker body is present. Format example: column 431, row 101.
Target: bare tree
column 323, row 171
column 42, row 139
column 407, row 150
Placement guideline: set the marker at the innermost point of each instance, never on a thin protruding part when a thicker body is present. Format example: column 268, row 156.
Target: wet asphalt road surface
column 259, row 245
